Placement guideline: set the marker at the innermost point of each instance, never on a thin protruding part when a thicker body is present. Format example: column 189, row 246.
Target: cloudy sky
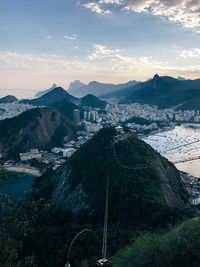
column 113, row 41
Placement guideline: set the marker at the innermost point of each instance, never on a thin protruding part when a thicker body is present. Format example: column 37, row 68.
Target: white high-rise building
column 85, row 115
column 76, row 115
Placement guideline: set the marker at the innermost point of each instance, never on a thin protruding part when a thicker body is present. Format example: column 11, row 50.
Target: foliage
column 16, row 224
column 178, row 247
column 38, row 164
column 137, row 120
column 3, row 176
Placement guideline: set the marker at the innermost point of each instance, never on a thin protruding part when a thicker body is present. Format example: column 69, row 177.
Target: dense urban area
column 143, row 119
column 140, row 118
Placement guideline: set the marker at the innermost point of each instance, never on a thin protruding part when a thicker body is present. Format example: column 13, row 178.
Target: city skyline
column 110, row 41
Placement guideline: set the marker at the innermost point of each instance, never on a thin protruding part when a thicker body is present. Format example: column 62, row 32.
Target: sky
column 111, row 41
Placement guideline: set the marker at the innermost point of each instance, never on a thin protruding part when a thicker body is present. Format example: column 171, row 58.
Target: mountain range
column 60, row 99
column 164, row 92
column 79, row 89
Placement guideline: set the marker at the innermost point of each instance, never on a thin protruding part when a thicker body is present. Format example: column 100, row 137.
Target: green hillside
column 92, row 101
column 148, row 196
column 164, row 92
column 35, row 128
column 176, row 248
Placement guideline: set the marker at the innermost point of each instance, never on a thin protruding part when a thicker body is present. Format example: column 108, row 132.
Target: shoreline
column 33, row 172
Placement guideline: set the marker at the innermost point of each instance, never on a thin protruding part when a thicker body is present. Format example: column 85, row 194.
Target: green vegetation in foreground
column 176, row 248
column 32, row 235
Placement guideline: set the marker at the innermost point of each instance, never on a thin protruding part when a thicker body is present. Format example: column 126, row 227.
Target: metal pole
column 104, row 250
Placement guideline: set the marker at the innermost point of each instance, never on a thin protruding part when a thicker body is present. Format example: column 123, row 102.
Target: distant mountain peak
column 53, row 96
column 98, row 89
column 8, row 99
column 41, row 93
column 76, row 86
column 156, row 76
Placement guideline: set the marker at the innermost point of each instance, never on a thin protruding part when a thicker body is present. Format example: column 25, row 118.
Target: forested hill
column 55, row 95
column 137, row 196
column 35, row 128
column 165, row 92
column 92, row 101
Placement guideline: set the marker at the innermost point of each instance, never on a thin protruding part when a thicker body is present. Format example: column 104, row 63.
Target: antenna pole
column 105, row 233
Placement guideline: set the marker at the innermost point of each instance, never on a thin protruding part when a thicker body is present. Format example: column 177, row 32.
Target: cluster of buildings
column 91, row 115
column 32, row 154
column 141, row 128
column 120, row 113
column 58, row 155
column 91, row 122
column 10, row 110
column 187, row 116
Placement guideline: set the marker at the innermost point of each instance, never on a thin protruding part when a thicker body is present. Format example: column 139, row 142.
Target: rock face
column 141, row 182
column 35, row 128
column 8, row 99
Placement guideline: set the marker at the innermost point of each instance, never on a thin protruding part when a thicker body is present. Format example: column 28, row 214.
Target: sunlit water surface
column 181, row 143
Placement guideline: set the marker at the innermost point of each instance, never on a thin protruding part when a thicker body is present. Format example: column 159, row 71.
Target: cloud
column 104, row 64
column 190, row 54
column 117, row 61
column 94, row 7
column 31, row 62
column 144, row 67
column 185, row 12
column 70, row 37
column 116, row 2
column 101, row 52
